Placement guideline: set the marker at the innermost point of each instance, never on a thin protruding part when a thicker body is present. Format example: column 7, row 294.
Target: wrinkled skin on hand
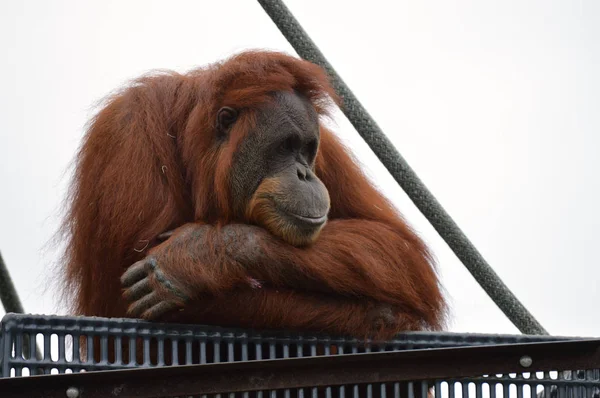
column 155, row 285
column 150, row 293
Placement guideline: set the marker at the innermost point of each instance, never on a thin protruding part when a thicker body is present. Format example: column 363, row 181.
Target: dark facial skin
column 281, row 151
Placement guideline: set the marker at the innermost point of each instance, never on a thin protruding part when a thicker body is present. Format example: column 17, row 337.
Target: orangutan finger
column 159, row 309
column 140, row 306
column 134, row 273
column 138, row 290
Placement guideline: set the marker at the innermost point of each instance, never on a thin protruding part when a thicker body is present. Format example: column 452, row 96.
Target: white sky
column 495, row 104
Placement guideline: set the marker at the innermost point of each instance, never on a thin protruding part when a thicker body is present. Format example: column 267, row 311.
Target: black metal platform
column 130, row 358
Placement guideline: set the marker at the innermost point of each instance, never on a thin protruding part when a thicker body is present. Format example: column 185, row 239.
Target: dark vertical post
column 8, row 293
column 11, row 302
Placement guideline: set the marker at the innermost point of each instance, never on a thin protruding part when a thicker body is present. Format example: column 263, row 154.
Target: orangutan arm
column 352, row 258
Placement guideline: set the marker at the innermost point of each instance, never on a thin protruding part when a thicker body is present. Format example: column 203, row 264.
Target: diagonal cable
column 404, row 175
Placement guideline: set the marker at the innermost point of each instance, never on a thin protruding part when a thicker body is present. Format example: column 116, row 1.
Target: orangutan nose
column 302, row 173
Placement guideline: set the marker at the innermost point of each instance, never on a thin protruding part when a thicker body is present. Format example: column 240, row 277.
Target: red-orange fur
column 149, row 164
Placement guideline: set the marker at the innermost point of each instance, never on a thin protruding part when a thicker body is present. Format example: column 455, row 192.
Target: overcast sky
column 495, row 104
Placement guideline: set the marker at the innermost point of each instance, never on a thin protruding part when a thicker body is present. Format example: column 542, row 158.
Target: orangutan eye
column 225, row 118
column 290, row 144
column 311, row 150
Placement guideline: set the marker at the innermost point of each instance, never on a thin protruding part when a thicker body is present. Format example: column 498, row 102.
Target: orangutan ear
column 226, row 117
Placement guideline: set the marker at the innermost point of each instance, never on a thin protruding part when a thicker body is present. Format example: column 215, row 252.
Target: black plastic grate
column 155, row 345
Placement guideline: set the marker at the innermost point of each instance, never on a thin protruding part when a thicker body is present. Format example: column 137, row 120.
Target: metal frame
column 353, row 369
column 16, row 329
